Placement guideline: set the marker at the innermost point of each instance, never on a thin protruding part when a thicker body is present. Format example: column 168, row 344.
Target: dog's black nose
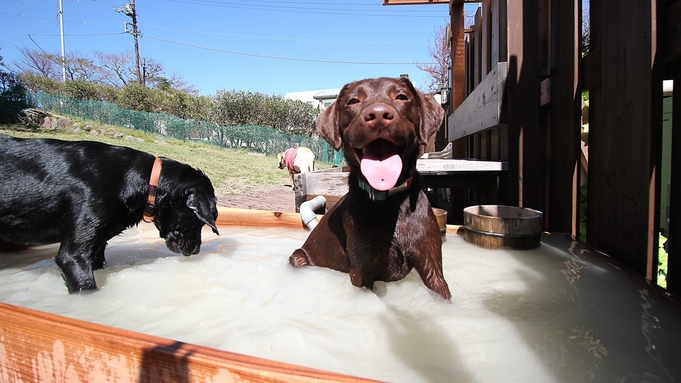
column 379, row 116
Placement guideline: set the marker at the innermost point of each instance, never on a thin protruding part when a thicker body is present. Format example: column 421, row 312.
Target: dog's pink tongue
column 382, row 174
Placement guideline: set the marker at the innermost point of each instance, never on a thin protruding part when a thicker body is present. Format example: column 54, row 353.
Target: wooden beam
column 483, row 108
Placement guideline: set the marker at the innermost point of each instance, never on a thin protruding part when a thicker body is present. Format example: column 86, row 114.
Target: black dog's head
column 185, row 202
column 381, row 124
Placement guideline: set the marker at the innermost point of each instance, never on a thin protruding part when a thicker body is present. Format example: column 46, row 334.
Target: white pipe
column 307, row 209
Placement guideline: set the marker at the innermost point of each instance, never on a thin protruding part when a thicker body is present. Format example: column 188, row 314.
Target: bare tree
column 37, row 61
column 79, row 67
column 152, row 71
column 440, row 53
column 117, row 69
column 113, row 69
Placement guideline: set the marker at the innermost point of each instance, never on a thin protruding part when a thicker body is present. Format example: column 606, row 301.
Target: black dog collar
column 148, row 215
column 376, row 195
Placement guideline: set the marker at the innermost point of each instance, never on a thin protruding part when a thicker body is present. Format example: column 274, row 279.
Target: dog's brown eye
column 353, row 101
column 402, row 97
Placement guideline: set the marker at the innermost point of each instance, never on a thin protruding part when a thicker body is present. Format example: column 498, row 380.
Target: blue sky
column 267, row 46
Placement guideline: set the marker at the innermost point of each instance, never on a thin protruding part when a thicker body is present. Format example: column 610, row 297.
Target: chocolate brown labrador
column 384, row 226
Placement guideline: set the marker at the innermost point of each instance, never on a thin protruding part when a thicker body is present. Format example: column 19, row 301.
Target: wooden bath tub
column 37, row 346
column 556, row 313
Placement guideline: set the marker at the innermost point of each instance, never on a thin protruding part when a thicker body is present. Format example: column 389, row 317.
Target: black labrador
column 83, row 193
column 384, row 226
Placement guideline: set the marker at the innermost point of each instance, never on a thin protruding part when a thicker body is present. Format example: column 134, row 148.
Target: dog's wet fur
column 81, row 194
column 379, row 240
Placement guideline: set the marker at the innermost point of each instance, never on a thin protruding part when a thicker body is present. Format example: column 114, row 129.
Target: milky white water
column 554, row 314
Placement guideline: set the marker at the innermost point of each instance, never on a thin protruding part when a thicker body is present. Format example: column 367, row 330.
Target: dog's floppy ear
column 432, row 113
column 328, row 122
column 204, row 210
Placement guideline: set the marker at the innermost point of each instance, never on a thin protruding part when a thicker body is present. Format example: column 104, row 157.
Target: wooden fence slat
column 483, row 108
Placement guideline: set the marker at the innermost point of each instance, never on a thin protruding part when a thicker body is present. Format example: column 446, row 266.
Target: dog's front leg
column 425, row 255
column 356, row 278
column 430, row 270
column 357, row 270
column 98, row 260
column 76, row 267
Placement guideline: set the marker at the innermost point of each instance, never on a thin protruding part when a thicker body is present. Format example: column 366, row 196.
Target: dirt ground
column 271, row 198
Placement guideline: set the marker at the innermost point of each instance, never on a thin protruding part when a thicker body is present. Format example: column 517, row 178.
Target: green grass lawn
column 230, row 170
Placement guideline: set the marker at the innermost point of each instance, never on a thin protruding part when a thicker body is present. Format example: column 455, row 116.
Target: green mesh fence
column 250, row 137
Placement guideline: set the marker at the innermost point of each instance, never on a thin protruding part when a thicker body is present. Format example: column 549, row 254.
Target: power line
column 308, row 10
column 77, row 35
column 283, row 38
column 281, row 57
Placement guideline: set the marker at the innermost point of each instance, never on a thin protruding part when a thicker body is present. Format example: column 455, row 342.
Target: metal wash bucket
column 499, row 226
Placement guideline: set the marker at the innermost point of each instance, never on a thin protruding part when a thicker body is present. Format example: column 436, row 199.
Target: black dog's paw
column 299, row 258
column 81, row 287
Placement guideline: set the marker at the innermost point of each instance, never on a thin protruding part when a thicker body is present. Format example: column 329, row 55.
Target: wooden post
column 625, row 136
column 457, row 96
column 526, row 165
column 565, row 113
column 674, row 246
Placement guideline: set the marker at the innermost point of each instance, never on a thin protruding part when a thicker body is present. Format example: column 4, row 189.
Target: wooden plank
column 499, row 32
column 483, row 108
column 458, row 56
column 456, row 165
column 592, row 69
column 672, row 30
column 477, row 39
column 460, row 86
column 673, row 248
column 486, row 37
column 564, row 114
column 625, row 139
column 545, row 92
column 596, row 18
column 258, row 218
column 544, row 25
column 324, row 183
column 527, row 164
column 41, row 347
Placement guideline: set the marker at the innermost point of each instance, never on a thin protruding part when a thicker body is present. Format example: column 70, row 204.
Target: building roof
column 327, row 94
column 311, row 95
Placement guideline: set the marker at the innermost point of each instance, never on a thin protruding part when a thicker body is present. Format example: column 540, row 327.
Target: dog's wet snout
column 191, row 251
column 379, row 116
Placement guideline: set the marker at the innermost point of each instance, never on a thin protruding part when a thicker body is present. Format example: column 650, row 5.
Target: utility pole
column 130, row 11
column 61, row 28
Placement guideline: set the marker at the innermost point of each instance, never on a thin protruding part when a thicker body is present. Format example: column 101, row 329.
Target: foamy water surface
column 555, row 314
